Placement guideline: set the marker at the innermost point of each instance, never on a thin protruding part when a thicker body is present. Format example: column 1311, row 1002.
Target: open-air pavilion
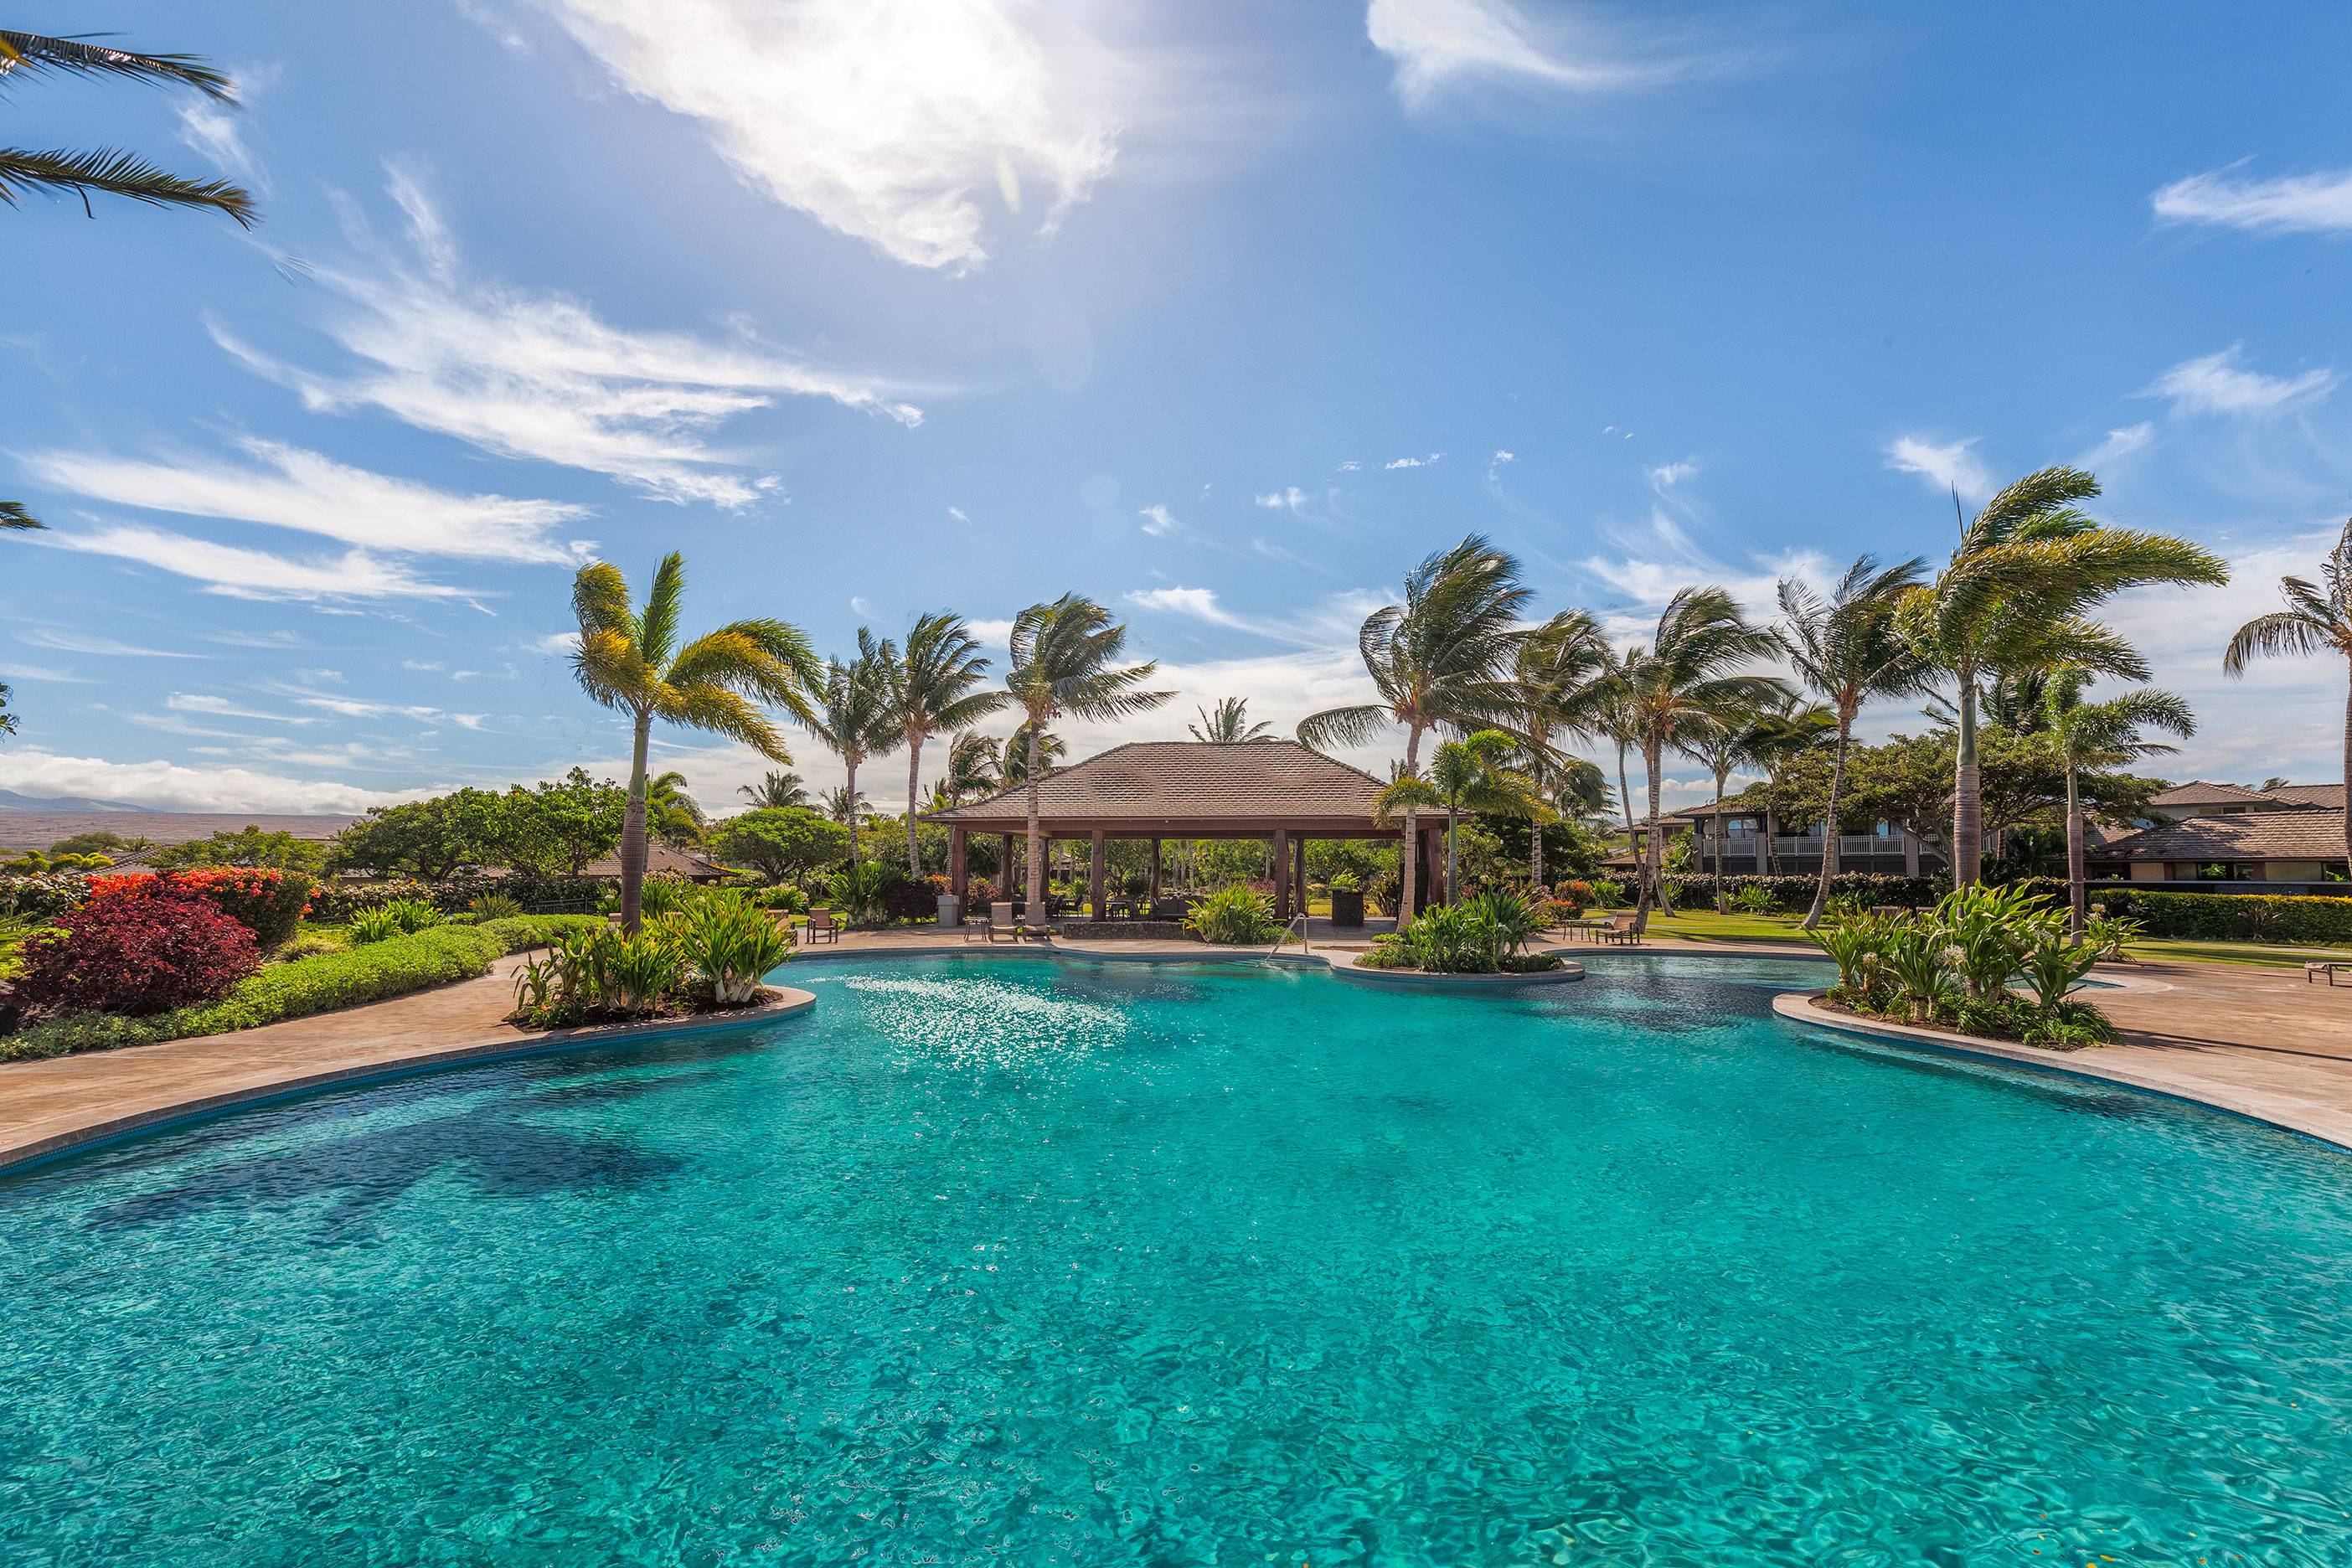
column 1278, row 791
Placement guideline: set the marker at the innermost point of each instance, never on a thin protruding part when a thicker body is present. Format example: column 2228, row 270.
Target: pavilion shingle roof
column 2201, row 792
column 2256, row 835
column 1193, row 780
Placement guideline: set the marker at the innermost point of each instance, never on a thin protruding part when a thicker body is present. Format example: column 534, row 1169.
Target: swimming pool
column 1006, row 1260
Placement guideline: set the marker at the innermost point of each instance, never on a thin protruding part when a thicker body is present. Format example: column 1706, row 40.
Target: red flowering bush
column 136, row 950
column 268, row 903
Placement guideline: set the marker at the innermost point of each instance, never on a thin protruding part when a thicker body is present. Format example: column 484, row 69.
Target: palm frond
column 1336, row 726
column 109, row 171
column 2282, row 634
column 33, row 52
column 657, row 622
column 13, row 515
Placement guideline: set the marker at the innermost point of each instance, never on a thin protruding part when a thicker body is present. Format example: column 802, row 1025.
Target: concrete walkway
column 2225, row 1034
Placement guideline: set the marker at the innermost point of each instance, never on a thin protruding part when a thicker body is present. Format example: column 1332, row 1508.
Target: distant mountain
column 11, row 801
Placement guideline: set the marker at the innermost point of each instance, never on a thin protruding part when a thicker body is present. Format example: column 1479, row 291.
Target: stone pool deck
column 2255, row 1040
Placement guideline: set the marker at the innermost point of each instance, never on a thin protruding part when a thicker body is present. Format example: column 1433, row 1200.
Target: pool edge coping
column 1800, row 1007
column 17, row 1158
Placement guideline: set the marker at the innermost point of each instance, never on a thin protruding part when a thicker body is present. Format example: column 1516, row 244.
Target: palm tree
column 1683, row 683
column 1560, row 676
column 1443, row 657
column 1229, row 722
column 671, row 814
column 930, row 689
column 1847, row 651
column 776, row 791
column 1740, row 738
column 2101, row 735
column 1012, row 767
column 630, row 660
column 7, row 719
column 109, row 171
column 854, row 718
column 849, row 807
column 974, row 767
column 1472, row 773
column 1065, row 662
column 2316, row 620
column 2016, row 595
column 13, row 515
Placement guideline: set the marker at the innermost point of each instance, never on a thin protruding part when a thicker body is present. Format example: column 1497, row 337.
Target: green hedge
column 2234, row 917
column 434, row 956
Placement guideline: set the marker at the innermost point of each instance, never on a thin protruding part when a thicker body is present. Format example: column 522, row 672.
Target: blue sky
column 1225, row 319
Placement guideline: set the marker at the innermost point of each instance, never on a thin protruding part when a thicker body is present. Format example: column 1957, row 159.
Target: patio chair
column 1619, row 931
column 1034, row 930
column 822, row 927
column 997, row 922
column 1169, row 909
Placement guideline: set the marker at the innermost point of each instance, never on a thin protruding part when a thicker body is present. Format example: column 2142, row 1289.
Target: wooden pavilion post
column 959, row 862
column 1155, row 870
column 1282, row 874
column 1095, row 876
column 1004, row 882
column 1298, row 850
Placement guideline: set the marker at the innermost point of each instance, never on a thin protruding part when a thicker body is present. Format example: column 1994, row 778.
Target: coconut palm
column 974, row 767
column 1065, row 659
column 1443, row 657
column 671, row 814
column 13, row 515
column 1682, row 683
column 1013, row 766
column 2106, row 734
column 850, row 808
column 1229, row 722
column 109, row 171
column 7, row 719
column 776, row 791
column 2017, row 594
column 1845, row 650
column 2317, row 619
column 1559, row 679
column 934, row 686
column 854, row 718
column 1472, row 773
column 631, row 660
column 1739, row 738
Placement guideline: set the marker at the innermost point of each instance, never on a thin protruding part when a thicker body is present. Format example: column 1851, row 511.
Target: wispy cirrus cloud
column 884, row 119
column 287, row 487
column 1414, row 462
column 2219, row 383
column 1290, row 498
column 1160, row 523
column 243, row 574
column 2118, row 445
column 2294, row 203
column 68, row 641
column 540, row 375
column 1442, row 46
column 1951, row 466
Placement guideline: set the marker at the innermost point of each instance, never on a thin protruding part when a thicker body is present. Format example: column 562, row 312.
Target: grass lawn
column 2276, row 955
column 1703, row 924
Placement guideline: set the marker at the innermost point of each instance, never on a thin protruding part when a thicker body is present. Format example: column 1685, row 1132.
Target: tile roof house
column 2202, row 797
column 2275, row 845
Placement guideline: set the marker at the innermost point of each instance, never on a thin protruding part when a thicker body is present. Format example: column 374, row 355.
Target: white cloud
column 1950, row 467
column 217, row 130
column 1667, row 474
column 1438, row 45
column 1158, row 521
column 561, row 643
column 1290, row 499
column 168, row 786
column 221, row 707
column 2119, row 444
column 2295, row 203
column 2217, row 383
column 1351, row 465
column 294, row 489
column 255, row 574
column 957, row 512
column 994, row 634
column 83, row 642
column 1414, row 462
column 539, row 376
column 860, row 605
column 356, row 707
column 1503, row 457
column 880, row 119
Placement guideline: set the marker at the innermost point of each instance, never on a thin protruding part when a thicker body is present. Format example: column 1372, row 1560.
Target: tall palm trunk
column 914, row 784
column 1535, row 853
column 1967, row 791
column 1652, row 855
column 1407, row 867
column 1830, row 832
column 1035, row 914
column 633, row 829
column 2077, row 891
column 850, row 765
column 1722, row 777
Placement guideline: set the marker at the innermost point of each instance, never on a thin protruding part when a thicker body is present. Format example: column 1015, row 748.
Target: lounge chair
column 1040, row 930
column 1619, row 931
column 822, row 927
column 2329, row 968
column 996, row 922
column 1169, row 909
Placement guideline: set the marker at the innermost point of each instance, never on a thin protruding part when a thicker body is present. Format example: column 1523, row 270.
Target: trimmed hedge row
column 338, row 902
column 1796, row 892
column 2234, row 917
column 395, row 967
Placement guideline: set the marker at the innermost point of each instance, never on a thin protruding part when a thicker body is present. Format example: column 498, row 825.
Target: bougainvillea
column 266, row 901
column 136, row 950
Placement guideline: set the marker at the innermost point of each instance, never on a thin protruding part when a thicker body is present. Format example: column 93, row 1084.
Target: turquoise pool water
column 1003, row 1261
